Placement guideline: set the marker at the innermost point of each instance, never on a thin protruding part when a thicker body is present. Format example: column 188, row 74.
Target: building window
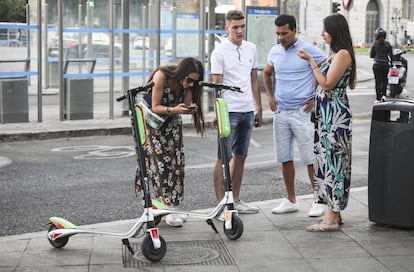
column 371, row 21
column 406, row 9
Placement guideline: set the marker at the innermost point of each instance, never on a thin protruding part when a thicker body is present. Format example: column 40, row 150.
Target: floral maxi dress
column 165, row 156
column 332, row 147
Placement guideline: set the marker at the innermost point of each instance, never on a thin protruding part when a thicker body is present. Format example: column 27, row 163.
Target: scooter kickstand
column 211, row 223
column 128, row 245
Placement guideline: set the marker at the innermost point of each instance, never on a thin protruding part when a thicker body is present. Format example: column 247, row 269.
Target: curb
column 99, row 131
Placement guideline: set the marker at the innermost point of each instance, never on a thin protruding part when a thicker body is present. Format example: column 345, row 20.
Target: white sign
column 410, row 29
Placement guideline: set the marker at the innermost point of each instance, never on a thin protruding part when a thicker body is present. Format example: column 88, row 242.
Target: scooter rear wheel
column 150, row 253
column 59, row 242
column 236, row 229
column 394, row 90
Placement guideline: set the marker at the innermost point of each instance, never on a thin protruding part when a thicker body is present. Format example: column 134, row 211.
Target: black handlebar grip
column 219, row 86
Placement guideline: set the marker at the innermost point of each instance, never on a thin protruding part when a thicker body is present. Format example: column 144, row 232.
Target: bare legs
column 288, row 172
column 236, row 173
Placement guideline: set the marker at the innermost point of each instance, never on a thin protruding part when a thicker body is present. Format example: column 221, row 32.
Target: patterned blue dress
column 332, row 147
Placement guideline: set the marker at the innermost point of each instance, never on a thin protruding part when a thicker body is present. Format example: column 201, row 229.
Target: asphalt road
column 90, row 180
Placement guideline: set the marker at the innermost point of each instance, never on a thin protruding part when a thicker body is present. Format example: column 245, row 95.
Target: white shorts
column 289, row 125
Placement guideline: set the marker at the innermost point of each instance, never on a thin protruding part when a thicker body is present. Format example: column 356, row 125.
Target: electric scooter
column 153, row 245
column 233, row 225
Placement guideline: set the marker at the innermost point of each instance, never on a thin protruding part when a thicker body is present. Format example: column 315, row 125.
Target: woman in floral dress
column 176, row 91
column 333, row 131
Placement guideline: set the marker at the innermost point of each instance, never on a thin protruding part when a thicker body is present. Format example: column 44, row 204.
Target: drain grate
column 198, row 253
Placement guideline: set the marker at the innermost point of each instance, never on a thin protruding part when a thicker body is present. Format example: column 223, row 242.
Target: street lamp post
column 396, row 20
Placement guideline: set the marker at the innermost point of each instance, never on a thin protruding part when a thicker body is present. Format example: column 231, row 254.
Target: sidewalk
column 269, row 243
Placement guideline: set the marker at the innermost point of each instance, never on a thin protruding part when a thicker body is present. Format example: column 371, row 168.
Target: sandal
column 323, row 227
column 320, row 219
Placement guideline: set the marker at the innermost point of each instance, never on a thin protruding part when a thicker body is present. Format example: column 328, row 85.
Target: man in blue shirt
column 292, row 103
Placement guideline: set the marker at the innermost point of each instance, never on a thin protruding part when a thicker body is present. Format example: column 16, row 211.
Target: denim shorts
column 289, row 125
column 237, row 143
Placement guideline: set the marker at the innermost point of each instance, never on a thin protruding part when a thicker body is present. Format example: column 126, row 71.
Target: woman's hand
column 183, row 109
column 193, row 108
column 303, row 55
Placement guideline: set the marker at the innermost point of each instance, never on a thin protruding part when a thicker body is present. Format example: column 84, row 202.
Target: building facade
column 364, row 16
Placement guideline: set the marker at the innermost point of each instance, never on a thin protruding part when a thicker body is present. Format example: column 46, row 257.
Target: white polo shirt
column 235, row 64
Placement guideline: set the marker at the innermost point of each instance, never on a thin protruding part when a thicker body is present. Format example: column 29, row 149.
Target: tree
column 13, row 11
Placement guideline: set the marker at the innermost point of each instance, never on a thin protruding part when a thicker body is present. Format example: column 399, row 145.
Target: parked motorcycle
column 397, row 74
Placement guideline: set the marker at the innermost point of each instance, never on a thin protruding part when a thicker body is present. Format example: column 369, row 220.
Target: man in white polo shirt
column 234, row 62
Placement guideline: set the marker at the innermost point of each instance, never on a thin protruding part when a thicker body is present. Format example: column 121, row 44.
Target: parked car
column 141, row 42
column 101, row 46
column 11, row 43
column 7, row 40
column 72, row 43
column 168, row 47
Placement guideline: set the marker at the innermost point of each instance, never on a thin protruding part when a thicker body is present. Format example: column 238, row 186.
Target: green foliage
column 361, row 50
column 13, row 11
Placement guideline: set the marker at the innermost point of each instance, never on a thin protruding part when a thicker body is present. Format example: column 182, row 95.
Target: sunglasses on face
column 190, row 80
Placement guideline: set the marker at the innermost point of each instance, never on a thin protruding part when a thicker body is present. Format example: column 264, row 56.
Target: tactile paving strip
column 198, row 253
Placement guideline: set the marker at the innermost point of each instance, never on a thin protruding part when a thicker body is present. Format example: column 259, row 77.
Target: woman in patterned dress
column 333, row 133
column 176, row 91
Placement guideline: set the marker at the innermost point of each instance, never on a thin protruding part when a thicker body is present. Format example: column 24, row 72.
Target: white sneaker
column 243, row 207
column 179, row 215
column 316, row 210
column 286, row 206
column 182, row 216
column 174, row 220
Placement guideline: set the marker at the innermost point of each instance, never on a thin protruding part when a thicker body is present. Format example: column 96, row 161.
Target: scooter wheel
column 393, row 90
column 400, row 89
column 236, row 229
column 59, row 242
column 150, row 253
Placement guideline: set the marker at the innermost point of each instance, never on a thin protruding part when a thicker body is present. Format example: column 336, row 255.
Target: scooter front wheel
column 236, row 228
column 150, row 253
column 59, row 242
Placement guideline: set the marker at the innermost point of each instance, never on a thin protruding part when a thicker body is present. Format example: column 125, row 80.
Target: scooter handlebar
column 219, row 86
column 137, row 90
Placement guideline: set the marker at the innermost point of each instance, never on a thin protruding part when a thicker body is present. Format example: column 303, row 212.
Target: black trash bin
column 391, row 164
column 14, row 91
column 78, row 91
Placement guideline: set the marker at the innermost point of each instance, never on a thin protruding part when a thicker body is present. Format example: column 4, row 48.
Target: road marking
column 359, row 92
column 98, row 152
column 4, row 161
column 254, row 143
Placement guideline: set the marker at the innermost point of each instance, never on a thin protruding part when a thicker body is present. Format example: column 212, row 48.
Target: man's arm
column 257, row 97
column 217, row 78
column 268, row 84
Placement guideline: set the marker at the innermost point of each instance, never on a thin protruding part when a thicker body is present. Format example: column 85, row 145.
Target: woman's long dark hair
column 337, row 26
column 179, row 72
